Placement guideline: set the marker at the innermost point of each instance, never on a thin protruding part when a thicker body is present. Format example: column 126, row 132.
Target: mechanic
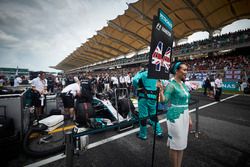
column 68, row 96
column 39, row 91
column 146, row 102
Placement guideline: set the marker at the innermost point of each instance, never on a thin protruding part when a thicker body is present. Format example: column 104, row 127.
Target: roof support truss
column 198, row 14
column 100, row 50
column 79, row 61
column 125, row 31
column 82, row 59
column 108, row 46
column 105, row 35
column 137, row 11
column 87, row 57
column 96, row 55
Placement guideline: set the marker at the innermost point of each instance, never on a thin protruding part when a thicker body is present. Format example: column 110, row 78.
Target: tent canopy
column 131, row 31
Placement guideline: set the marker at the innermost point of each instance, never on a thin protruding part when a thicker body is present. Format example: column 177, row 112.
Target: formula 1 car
column 106, row 109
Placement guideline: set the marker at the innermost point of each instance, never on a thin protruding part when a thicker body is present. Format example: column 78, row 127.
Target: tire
column 125, row 106
column 33, row 148
column 84, row 111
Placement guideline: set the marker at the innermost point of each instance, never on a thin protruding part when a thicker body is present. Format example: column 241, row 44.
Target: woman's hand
column 161, row 93
column 190, row 123
column 160, row 86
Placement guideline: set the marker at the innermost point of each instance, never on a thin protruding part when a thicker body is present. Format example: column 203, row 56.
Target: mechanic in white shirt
column 115, row 81
column 39, row 89
column 243, row 85
column 218, row 84
column 68, row 96
column 17, row 81
column 122, row 84
column 127, row 79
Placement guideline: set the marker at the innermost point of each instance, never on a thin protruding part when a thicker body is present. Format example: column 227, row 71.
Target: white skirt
column 178, row 132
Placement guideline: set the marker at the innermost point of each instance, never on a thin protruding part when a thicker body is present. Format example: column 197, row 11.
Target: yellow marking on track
column 62, row 129
column 37, row 134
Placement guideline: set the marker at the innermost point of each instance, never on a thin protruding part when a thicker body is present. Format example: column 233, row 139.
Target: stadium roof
column 131, row 31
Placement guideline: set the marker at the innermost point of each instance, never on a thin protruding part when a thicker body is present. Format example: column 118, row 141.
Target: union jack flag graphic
column 166, row 59
column 157, row 56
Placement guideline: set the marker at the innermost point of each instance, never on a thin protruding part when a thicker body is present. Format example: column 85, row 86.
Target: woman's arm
column 161, row 95
column 165, row 94
column 190, row 122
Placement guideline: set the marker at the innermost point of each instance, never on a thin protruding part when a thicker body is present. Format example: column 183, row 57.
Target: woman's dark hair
column 175, row 66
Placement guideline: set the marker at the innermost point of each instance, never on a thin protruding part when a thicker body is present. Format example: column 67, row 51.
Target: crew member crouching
column 68, row 96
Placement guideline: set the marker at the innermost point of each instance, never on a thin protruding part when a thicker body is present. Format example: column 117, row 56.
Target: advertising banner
column 230, row 86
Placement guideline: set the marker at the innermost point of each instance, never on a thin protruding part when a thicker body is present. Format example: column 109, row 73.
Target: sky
column 36, row 34
column 237, row 25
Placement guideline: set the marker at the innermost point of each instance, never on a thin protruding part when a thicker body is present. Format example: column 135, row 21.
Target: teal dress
column 177, row 96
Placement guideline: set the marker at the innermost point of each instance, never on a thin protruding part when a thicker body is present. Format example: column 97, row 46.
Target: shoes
column 160, row 135
column 140, row 137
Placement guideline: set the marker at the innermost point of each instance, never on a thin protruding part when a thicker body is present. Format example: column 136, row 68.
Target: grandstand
column 234, row 64
column 131, row 32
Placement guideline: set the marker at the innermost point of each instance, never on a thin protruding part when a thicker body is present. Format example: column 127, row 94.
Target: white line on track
column 112, row 138
column 213, row 103
column 47, row 161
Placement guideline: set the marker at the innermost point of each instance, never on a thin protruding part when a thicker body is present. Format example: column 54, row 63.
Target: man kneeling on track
column 68, row 96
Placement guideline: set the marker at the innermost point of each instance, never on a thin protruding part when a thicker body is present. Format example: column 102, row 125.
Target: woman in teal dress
column 178, row 121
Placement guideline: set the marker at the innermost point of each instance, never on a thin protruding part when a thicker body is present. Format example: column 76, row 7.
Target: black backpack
column 86, row 91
